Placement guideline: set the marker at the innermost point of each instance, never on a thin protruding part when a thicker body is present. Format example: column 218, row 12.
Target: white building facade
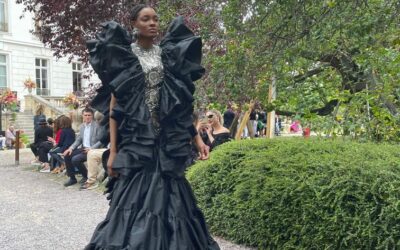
column 23, row 56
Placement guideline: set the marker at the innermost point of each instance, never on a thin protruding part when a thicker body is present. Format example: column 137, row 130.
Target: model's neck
column 145, row 43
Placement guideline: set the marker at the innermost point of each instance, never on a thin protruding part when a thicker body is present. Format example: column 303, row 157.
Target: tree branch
column 323, row 111
column 302, row 77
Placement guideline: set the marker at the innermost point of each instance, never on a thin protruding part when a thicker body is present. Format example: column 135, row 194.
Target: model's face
column 87, row 117
column 147, row 23
column 211, row 118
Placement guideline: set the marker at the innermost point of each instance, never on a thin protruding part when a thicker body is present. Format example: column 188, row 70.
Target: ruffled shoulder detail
column 119, row 69
column 112, row 59
column 181, row 56
column 105, row 52
column 121, row 74
column 183, row 50
column 109, row 52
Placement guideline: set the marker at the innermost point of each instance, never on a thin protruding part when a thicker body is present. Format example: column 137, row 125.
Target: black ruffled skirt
column 152, row 211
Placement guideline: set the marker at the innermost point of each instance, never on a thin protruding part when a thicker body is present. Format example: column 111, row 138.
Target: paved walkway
column 37, row 212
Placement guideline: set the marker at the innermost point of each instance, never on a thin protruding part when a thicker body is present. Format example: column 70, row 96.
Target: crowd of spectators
column 256, row 125
column 60, row 149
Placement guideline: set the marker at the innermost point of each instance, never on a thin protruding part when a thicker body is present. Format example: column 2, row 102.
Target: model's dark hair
column 136, row 10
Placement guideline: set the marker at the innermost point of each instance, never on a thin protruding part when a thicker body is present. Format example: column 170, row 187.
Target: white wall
column 22, row 48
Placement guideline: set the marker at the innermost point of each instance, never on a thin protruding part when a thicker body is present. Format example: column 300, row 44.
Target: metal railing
column 51, row 110
column 56, row 101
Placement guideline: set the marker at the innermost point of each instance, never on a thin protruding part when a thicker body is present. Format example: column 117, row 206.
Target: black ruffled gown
column 152, row 205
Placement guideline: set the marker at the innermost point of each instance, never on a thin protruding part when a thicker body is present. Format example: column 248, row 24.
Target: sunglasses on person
column 210, row 116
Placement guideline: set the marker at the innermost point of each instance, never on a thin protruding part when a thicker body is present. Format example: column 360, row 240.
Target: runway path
column 37, row 212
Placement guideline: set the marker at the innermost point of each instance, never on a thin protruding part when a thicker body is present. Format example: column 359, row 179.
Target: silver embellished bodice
column 150, row 60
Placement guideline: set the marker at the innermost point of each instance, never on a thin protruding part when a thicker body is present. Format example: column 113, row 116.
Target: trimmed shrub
column 302, row 194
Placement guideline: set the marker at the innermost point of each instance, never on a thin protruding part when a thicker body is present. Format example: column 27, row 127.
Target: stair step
column 24, row 121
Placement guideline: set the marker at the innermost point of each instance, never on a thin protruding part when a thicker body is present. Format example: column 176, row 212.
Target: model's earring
column 135, row 34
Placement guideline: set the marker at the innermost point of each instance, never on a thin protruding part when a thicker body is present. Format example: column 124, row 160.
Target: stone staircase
column 24, row 121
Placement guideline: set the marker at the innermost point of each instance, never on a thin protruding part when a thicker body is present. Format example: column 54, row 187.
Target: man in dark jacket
column 41, row 146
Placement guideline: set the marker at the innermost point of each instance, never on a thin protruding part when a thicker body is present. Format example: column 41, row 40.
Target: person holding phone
column 216, row 133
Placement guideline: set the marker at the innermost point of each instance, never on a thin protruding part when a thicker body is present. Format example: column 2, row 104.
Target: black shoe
column 83, row 181
column 70, row 182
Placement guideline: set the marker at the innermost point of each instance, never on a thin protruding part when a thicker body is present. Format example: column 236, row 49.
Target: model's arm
column 113, row 139
column 201, row 147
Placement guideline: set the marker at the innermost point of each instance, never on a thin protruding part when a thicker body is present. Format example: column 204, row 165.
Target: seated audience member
column 41, row 146
column 65, row 136
column 2, row 142
column 216, row 133
column 50, row 123
column 76, row 154
column 54, row 141
column 10, row 137
column 95, row 169
column 94, row 160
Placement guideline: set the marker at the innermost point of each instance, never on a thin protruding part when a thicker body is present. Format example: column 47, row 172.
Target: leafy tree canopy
column 338, row 59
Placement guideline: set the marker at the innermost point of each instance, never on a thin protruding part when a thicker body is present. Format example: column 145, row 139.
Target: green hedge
column 302, row 194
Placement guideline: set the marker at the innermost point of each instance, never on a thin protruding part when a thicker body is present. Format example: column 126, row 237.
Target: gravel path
column 37, row 212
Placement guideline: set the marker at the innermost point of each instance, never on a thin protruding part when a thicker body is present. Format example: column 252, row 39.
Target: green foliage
column 318, row 52
column 302, row 194
column 24, row 139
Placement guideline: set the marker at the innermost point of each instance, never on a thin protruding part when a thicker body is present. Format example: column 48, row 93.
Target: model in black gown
column 152, row 205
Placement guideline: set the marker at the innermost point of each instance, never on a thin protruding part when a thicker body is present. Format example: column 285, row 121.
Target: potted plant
column 8, row 101
column 29, row 84
column 71, row 101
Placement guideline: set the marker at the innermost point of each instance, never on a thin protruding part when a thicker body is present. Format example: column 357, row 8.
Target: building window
column 3, row 71
column 77, row 77
column 3, row 16
column 42, row 82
